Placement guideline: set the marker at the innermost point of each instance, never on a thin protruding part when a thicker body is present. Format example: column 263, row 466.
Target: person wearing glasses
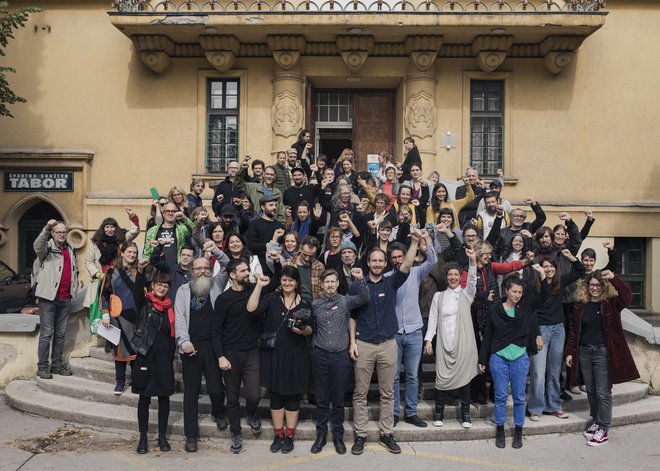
column 596, row 347
column 57, row 284
column 171, row 234
column 177, row 195
column 309, row 267
column 153, row 342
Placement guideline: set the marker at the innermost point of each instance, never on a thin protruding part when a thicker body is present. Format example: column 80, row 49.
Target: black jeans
column 443, row 397
column 53, row 318
column 244, row 369
column 204, row 361
column 330, row 378
column 596, row 377
column 163, row 413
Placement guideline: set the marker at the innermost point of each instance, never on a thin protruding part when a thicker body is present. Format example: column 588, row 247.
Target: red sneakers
column 599, row 438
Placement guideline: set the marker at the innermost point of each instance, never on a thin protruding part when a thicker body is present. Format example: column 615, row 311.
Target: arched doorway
column 29, row 227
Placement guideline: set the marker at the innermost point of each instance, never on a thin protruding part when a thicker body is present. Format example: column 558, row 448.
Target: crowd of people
column 305, row 276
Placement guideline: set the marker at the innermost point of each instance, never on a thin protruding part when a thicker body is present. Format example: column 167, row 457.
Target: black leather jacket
column 149, row 320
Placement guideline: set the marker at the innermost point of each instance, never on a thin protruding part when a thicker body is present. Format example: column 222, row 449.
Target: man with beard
column 256, row 191
column 226, row 189
column 194, row 309
column 235, row 334
column 373, row 345
column 304, row 147
column 486, row 218
column 171, row 234
column 299, row 192
column 283, row 178
column 260, row 231
column 179, row 272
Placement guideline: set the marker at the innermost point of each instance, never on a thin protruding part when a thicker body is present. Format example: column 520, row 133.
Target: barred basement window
column 486, row 126
column 222, row 124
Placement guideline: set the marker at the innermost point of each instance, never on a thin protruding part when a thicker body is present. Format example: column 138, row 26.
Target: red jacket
column 621, row 364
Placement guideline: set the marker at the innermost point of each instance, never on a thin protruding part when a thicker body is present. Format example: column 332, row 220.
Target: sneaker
column 589, row 433
column 62, row 371
column 466, row 422
column 560, row 414
column 221, row 422
column 534, row 417
column 43, row 373
column 575, row 390
column 276, row 446
column 287, row 445
column 255, row 425
column 600, row 438
column 388, row 442
column 582, row 388
column 438, row 420
column 236, row 443
column 119, row 388
column 415, row 420
column 358, row 445
column 565, row 396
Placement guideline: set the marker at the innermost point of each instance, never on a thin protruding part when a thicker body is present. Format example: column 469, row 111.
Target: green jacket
column 183, row 232
column 255, row 192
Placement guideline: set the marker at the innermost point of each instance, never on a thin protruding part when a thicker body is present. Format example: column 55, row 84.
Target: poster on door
column 372, row 165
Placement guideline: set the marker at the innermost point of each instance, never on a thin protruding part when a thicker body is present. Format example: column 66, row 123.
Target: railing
column 359, row 6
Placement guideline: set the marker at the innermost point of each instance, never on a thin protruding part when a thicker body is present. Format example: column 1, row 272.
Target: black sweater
column 502, row 330
column 551, row 311
column 239, row 329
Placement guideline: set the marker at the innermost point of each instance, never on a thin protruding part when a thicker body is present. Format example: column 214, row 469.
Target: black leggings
column 290, row 402
column 163, row 413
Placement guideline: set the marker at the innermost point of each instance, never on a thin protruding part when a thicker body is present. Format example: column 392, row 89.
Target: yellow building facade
column 121, row 98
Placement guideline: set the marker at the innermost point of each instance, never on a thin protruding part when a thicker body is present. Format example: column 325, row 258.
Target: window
column 334, row 107
column 633, row 266
column 486, row 126
column 222, row 124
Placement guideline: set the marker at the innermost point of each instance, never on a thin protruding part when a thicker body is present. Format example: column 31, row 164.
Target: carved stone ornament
column 559, row 51
column 220, row 50
column 555, row 62
column 354, row 60
column 286, row 59
column 421, row 115
column 286, row 49
column 423, row 59
column 354, row 50
column 287, row 114
column 221, row 60
column 155, row 50
column 158, row 61
column 491, row 50
column 490, row 60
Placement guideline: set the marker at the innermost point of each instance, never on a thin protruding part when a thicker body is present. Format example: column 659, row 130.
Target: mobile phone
column 154, row 193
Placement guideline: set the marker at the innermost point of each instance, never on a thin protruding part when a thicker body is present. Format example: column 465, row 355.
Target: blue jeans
column 505, row 372
column 545, row 371
column 410, row 353
column 53, row 318
column 596, row 377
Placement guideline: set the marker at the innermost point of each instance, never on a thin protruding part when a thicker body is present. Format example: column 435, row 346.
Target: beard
column 492, row 210
column 201, row 285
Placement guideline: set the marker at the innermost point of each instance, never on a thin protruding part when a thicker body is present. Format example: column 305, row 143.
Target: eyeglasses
column 170, row 211
column 61, row 232
column 160, row 285
column 307, row 255
column 595, row 285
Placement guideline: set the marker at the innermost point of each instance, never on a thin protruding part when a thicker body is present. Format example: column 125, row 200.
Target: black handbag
column 267, row 339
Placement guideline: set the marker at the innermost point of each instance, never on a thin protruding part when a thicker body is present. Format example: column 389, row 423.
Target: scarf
column 302, row 228
column 163, row 305
column 108, row 248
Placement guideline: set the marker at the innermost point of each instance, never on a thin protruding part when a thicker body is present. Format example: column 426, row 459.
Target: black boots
column 143, row 446
column 517, row 438
column 499, row 437
column 163, row 444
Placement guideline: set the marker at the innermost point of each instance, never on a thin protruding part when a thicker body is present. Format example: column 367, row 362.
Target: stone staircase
column 87, row 398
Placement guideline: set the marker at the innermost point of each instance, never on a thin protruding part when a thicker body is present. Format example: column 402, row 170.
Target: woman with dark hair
column 456, row 354
column 420, row 191
column 545, row 368
column 120, row 281
column 516, row 250
column 412, row 157
column 404, row 199
column 510, row 338
column 236, row 248
column 284, row 369
column 597, row 349
column 440, row 199
column 153, row 368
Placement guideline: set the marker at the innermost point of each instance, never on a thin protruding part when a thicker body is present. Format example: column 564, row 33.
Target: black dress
column 159, row 359
column 286, row 368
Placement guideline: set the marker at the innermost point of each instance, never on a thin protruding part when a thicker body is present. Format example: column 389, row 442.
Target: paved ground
column 35, row 443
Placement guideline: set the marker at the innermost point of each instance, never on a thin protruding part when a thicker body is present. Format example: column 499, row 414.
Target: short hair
column 272, row 168
column 190, row 268
column 382, row 197
column 291, row 271
column 376, row 249
column 451, row 266
column 328, row 272
column 490, row 194
column 482, row 246
column 469, row 226
column 311, row 241
column 588, row 252
column 162, row 277
column 195, row 181
column 187, row 247
column 235, row 262
column 409, row 139
column 394, row 246
column 385, row 224
column 513, row 280
column 257, row 162
column 304, row 204
column 471, row 169
column 447, row 211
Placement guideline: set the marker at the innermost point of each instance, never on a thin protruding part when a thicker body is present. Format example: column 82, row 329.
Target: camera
column 299, row 319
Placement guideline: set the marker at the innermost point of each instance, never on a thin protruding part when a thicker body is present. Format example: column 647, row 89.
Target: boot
column 163, row 444
column 143, row 446
column 465, row 415
column 517, row 437
column 439, row 415
column 499, row 437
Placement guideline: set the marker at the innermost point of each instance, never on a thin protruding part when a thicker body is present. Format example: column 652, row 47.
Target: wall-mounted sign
column 44, row 180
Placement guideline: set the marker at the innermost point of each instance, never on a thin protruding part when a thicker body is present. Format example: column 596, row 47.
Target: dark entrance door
column 373, row 124
column 29, row 227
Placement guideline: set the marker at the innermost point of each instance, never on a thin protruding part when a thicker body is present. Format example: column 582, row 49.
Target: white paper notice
column 111, row 333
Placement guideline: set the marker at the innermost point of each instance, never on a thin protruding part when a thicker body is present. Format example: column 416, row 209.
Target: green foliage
column 10, row 21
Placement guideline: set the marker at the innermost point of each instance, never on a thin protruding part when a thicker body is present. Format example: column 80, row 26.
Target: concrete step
column 28, row 396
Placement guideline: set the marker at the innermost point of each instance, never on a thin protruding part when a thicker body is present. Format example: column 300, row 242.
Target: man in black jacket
column 260, row 231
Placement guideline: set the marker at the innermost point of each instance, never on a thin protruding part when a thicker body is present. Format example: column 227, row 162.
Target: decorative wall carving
column 155, row 50
column 220, row 50
column 491, row 50
column 286, row 49
column 287, row 114
column 559, row 51
column 355, row 50
column 421, row 115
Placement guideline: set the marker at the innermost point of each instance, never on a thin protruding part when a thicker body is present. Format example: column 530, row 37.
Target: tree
column 10, row 21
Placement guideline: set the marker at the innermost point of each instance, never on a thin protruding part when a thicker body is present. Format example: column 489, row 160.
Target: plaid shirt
column 315, row 273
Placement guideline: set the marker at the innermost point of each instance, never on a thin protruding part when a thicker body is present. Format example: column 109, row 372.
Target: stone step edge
column 26, row 396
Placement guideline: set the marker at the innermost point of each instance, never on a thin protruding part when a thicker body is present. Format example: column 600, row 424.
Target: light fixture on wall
column 353, row 79
column 211, row 29
column 355, row 30
column 498, row 31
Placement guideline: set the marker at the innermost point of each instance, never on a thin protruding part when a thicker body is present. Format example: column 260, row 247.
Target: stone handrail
column 359, row 6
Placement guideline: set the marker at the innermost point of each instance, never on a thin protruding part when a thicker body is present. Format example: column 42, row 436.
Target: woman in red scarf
column 153, row 341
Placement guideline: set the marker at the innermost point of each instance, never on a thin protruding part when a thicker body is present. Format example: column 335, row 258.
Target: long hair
column 124, row 246
column 335, row 202
column 178, row 189
column 435, row 202
column 120, row 237
column 245, row 253
column 556, row 280
column 582, row 292
column 508, row 250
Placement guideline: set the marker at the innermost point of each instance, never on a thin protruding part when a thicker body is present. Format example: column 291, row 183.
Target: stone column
column 420, row 109
column 288, row 112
